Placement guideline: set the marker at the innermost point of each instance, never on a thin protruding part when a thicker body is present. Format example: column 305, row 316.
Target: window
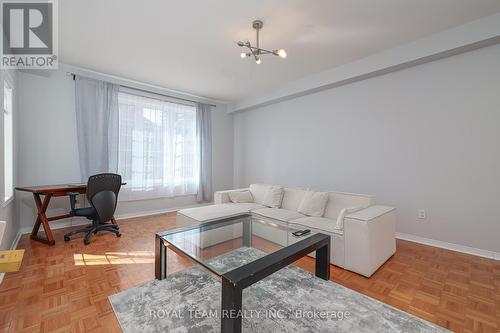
column 157, row 149
column 8, row 141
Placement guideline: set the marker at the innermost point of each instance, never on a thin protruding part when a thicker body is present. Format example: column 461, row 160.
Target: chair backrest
column 102, row 193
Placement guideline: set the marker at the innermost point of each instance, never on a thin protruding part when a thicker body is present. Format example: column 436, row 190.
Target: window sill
column 8, row 202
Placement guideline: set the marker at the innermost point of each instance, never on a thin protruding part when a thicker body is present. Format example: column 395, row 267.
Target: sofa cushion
column 215, row 212
column 273, row 197
column 250, row 206
column 343, row 213
column 259, row 192
column 337, row 201
column 240, row 197
column 280, row 214
column 313, row 203
column 318, row 223
column 292, row 198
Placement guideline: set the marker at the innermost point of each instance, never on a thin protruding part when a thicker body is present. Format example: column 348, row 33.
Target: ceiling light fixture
column 256, row 51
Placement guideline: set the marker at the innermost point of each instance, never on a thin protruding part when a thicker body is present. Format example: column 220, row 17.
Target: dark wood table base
column 235, row 281
column 42, row 219
column 48, row 192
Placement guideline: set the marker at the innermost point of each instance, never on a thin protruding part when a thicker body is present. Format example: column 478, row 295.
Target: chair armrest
column 72, row 199
column 221, row 197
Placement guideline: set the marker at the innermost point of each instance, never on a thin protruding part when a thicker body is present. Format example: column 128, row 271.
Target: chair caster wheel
column 118, row 235
column 66, row 238
column 86, row 241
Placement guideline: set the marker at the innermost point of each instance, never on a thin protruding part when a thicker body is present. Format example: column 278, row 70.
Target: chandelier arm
column 261, row 51
column 253, row 53
column 264, row 51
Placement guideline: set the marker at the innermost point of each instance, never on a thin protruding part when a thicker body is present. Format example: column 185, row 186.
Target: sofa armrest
column 221, row 197
column 370, row 238
column 369, row 213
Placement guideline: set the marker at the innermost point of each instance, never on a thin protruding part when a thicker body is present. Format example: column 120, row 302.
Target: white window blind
column 8, row 141
column 157, row 150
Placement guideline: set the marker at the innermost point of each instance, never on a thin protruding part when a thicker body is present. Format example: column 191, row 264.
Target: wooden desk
column 48, row 192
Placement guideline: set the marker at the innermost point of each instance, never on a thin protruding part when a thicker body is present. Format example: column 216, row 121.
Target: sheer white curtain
column 158, row 147
column 204, row 136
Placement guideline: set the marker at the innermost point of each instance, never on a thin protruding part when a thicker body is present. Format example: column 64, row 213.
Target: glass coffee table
column 272, row 245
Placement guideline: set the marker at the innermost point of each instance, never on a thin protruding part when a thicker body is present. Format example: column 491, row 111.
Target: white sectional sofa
column 362, row 233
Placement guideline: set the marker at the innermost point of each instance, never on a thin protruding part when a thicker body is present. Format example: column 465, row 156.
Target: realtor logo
column 29, row 38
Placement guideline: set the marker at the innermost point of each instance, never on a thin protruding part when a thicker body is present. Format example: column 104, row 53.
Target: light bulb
column 282, row 53
column 243, row 55
column 257, row 61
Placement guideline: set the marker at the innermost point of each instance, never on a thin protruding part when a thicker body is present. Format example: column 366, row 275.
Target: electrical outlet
column 422, row 215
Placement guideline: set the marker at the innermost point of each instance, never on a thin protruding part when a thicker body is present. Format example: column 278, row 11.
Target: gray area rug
column 290, row 300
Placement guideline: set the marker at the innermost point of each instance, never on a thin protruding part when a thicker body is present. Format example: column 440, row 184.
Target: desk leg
column 42, row 219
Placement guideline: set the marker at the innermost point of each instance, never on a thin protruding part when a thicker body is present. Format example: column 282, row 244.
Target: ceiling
column 190, row 45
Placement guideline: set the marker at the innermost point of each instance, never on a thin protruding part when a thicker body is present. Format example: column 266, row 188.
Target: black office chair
column 102, row 194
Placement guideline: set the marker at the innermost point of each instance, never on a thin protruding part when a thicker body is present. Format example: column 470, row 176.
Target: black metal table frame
column 233, row 282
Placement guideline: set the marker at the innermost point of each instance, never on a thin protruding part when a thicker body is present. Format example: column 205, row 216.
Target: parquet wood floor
column 64, row 288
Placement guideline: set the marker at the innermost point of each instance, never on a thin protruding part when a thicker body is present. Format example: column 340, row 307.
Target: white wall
column 7, row 211
column 49, row 154
column 424, row 137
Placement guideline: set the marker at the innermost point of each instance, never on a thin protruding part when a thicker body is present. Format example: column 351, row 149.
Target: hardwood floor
column 64, row 288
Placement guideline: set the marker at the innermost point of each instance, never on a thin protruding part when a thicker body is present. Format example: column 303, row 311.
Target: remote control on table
column 301, row 232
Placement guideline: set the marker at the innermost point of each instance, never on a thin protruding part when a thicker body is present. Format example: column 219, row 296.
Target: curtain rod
column 147, row 91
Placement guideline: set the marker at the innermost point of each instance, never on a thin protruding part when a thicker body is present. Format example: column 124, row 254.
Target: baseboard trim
column 57, row 225
column 449, row 246
column 74, row 223
column 16, row 240
column 157, row 212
